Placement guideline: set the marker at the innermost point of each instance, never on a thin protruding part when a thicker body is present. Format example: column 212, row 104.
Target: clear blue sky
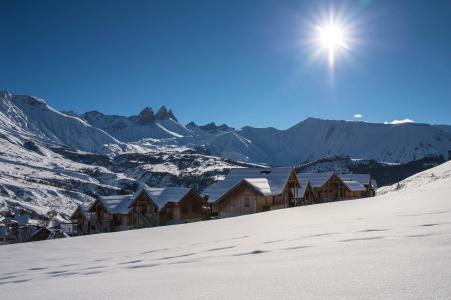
column 235, row 62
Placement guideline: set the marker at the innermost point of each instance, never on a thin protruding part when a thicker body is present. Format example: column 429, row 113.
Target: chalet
column 329, row 187
column 252, row 190
column 81, row 220
column 364, row 179
column 170, row 205
column 306, row 195
column 111, row 213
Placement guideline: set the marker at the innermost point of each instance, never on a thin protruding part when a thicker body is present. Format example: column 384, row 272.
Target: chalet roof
column 260, row 184
column 274, row 183
column 84, row 209
column 303, row 189
column 316, row 180
column 354, row 186
column 117, row 204
column 362, row 178
column 162, row 196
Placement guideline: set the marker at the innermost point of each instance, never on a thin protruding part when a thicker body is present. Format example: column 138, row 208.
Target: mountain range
column 52, row 161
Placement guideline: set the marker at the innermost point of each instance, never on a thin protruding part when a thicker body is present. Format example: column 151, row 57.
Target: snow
column 394, row 246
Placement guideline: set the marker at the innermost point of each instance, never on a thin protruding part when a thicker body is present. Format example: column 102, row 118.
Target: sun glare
column 331, row 38
column 331, row 33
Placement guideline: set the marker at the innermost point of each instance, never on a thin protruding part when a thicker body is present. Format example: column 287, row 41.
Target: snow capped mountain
column 315, row 138
column 53, row 161
column 147, row 124
column 28, row 115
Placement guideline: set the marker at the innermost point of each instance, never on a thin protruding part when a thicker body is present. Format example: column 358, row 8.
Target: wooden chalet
column 329, row 187
column 81, row 220
column 306, row 195
column 369, row 183
column 253, row 190
column 170, row 205
column 111, row 213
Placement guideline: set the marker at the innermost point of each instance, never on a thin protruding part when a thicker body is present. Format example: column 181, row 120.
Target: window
column 185, row 209
column 247, row 202
column 194, row 208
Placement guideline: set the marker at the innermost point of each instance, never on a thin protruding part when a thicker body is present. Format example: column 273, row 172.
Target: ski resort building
column 252, row 190
column 81, row 219
column 306, row 195
column 165, row 206
column 149, row 207
column 329, row 187
column 111, row 213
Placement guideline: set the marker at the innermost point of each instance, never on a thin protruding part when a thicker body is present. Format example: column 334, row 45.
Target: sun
column 331, row 38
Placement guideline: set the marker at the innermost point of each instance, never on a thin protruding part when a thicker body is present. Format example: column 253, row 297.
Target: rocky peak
column 212, row 127
column 191, row 125
column 146, row 117
column 5, row 95
column 163, row 114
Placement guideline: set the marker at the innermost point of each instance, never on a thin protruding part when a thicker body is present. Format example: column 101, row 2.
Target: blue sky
column 235, row 62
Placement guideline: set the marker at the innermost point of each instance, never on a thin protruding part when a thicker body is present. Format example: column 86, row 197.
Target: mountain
column 308, row 140
column 392, row 246
column 31, row 116
column 446, row 128
column 52, row 161
column 315, row 138
column 162, row 124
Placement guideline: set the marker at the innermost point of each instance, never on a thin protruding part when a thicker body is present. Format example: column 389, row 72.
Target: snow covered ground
column 393, row 246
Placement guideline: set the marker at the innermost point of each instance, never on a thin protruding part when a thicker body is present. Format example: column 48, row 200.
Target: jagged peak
column 212, row 127
column 163, row 113
column 192, row 124
column 6, row 95
column 146, row 116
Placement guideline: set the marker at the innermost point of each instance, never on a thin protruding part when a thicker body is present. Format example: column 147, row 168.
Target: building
column 253, row 190
column 149, row 207
column 329, row 187
column 306, row 195
column 170, row 205
column 364, row 179
column 81, row 220
column 111, row 213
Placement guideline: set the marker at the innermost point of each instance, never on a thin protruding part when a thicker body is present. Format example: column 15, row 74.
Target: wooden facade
column 308, row 197
column 144, row 211
column 245, row 198
column 335, row 190
column 81, row 223
column 103, row 220
column 191, row 208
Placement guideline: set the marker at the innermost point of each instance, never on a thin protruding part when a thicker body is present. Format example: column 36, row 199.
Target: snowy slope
column 315, row 138
column 29, row 115
column 394, row 246
column 147, row 124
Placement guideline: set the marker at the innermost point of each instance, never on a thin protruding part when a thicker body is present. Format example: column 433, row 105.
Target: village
column 243, row 191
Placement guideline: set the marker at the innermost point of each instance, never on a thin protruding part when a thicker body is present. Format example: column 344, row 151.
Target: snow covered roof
column 354, row 186
column 84, row 209
column 162, row 196
column 303, row 189
column 117, row 204
column 276, row 179
column 260, row 184
column 316, row 180
column 362, row 178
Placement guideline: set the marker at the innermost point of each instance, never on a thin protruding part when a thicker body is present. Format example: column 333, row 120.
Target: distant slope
column 315, row 138
column 394, row 246
column 29, row 115
column 163, row 124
